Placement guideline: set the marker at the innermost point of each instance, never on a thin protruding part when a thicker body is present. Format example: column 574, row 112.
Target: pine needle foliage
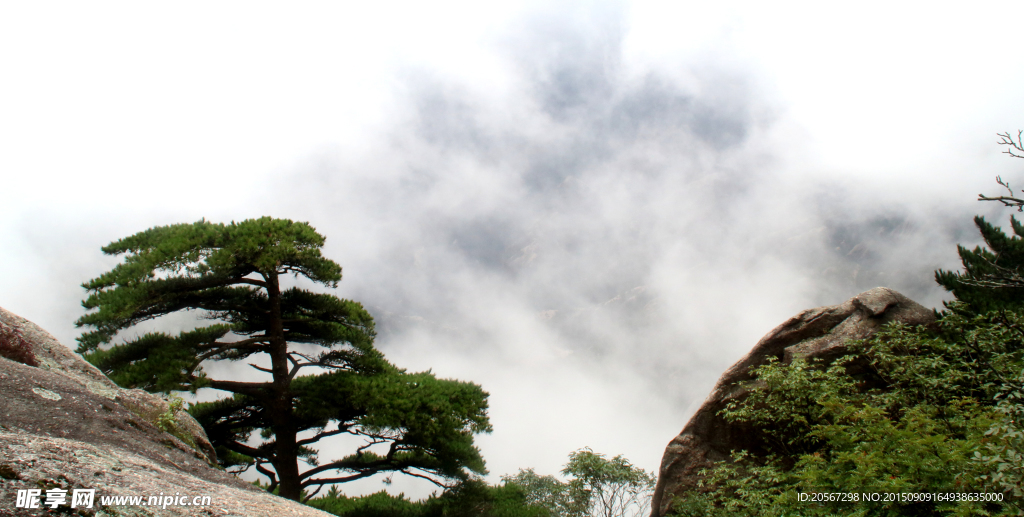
column 992, row 278
column 325, row 378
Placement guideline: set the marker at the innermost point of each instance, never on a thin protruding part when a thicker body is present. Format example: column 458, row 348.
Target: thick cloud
column 594, row 246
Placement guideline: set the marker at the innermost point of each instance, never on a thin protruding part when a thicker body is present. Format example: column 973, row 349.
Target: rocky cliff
column 66, row 426
column 821, row 333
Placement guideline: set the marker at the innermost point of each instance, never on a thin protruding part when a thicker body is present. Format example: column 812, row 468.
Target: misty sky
column 591, row 209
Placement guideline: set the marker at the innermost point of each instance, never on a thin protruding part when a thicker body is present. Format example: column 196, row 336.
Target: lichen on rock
column 65, row 424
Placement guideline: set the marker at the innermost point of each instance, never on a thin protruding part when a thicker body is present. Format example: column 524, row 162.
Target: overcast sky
column 591, row 209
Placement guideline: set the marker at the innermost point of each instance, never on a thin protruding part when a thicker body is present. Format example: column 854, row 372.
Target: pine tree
column 412, row 423
column 993, row 278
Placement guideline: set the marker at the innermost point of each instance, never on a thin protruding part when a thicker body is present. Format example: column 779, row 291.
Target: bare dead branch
column 1018, row 146
column 1015, row 148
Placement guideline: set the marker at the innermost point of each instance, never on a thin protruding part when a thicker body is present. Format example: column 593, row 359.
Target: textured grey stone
column 65, row 424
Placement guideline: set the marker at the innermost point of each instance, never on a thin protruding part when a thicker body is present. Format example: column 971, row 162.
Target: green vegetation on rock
column 927, row 414
column 931, row 415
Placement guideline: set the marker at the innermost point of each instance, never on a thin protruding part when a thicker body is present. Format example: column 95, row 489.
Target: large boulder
column 63, row 424
column 823, row 333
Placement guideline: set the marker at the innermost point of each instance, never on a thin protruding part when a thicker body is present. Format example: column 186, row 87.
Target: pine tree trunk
column 286, row 460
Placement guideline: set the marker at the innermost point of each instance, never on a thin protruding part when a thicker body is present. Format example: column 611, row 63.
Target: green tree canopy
column 598, row 487
column 992, row 278
column 325, row 377
column 472, row 498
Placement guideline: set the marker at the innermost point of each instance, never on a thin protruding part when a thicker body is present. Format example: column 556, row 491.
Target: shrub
column 935, row 412
column 471, row 498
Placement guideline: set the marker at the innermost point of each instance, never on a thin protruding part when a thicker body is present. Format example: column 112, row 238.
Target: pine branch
column 270, row 474
column 253, row 389
column 358, row 464
column 1002, row 279
column 247, row 450
column 260, row 368
column 341, row 479
column 236, row 345
column 428, row 478
column 316, row 438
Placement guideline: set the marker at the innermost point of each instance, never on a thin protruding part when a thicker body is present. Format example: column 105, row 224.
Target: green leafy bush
column 911, row 411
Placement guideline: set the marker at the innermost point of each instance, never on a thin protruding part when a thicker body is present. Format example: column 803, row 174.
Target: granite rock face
column 822, row 333
column 65, row 425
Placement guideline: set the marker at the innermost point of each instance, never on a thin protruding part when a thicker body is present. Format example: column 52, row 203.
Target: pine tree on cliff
column 993, row 278
column 235, row 274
